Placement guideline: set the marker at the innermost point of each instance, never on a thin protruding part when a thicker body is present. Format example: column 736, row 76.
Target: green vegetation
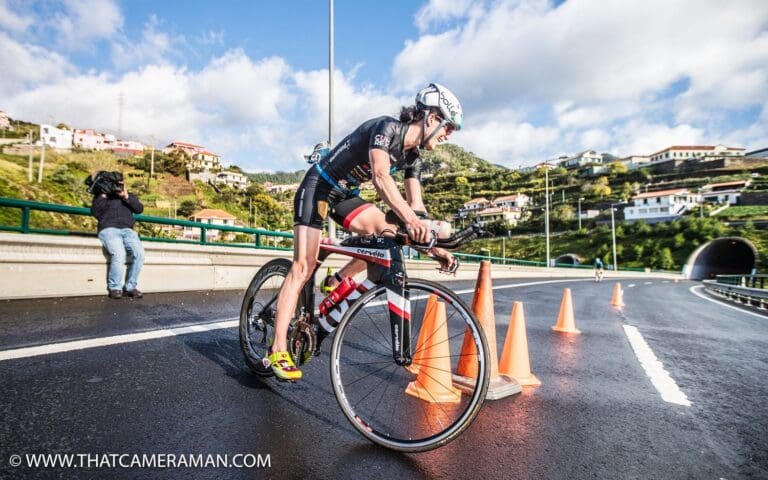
column 752, row 212
column 452, row 177
column 663, row 246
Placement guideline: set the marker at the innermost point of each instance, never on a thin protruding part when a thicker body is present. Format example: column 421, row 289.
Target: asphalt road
column 596, row 415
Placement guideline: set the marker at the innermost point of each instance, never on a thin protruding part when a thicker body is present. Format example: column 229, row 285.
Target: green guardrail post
column 258, row 240
column 203, row 239
column 25, row 214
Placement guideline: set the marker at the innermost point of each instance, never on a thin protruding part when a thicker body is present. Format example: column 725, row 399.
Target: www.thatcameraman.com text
column 139, row 460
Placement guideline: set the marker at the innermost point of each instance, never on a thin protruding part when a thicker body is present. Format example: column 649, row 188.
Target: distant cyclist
column 375, row 150
column 598, row 270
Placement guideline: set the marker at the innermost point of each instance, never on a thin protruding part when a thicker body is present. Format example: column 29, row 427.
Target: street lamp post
column 613, row 235
column 546, row 209
column 580, row 199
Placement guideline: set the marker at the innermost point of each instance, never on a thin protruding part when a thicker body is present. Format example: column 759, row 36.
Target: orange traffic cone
column 618, row 296
column 514, row 357
column 427, row 329
column 482, row 305
column 565, row 320
column 434, row 383
column 466, row 371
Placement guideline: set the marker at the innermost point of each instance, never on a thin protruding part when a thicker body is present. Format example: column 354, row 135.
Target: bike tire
column 371, row 388
column 257, row 329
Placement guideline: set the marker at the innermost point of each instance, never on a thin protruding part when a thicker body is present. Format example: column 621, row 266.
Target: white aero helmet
column 436, row 96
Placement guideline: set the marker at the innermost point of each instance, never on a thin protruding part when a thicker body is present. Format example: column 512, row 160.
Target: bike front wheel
column 427, row 404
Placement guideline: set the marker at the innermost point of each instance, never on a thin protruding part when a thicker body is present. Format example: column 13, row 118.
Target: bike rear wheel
column 390, row 404
column 257, row 314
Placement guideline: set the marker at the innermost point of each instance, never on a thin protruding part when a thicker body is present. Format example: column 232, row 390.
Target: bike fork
column 400, row 320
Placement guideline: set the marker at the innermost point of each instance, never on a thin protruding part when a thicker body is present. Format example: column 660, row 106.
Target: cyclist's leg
column 305, row 250
column 308, row 223
column 363, row 218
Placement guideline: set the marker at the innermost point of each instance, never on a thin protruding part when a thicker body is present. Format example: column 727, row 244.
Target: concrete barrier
column 36, row 266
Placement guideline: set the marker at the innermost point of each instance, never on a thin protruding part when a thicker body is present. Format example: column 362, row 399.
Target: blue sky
column 537, row 79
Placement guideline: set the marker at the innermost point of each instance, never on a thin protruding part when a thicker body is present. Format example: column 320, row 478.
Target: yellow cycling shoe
column 283, row 366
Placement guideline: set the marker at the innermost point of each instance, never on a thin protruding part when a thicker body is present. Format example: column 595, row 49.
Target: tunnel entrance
column 722, row 256
column 568, row 259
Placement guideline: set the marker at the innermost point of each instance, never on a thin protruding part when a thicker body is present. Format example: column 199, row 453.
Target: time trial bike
column 409, row 360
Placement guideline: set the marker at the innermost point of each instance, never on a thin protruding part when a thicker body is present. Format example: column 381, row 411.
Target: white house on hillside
column 5, row 122
column 519, row 201
column 695, row 151
column 214, row 217
column 661, row 206
column 587, row 157
column 58, row 138
column 510, row 215
column 233, row 179
column 474, row 206
column 634, row 162
column 722, row 193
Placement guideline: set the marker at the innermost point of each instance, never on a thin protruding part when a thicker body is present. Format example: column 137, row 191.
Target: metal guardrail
column 26, row 208
column 747, row 289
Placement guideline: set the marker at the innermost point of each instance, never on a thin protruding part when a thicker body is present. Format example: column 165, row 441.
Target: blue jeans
column 117, row 243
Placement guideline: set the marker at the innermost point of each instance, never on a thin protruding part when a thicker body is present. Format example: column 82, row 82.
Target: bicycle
column 372, row 372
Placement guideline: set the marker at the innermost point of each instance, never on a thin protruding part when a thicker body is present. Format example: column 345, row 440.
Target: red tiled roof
column 662, row 193
column 213, row 213
column 727, row 184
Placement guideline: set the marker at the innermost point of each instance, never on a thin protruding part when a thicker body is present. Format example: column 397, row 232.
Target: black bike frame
column 384, row 257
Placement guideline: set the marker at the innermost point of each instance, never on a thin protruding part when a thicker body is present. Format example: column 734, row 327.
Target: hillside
column 452, row 177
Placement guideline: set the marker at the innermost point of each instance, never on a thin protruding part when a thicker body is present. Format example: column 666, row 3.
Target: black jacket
column 115, row 212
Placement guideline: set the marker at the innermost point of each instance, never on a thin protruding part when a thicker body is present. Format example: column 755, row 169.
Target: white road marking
column 660, row 378
column 115, row 339
column 694, row 291
column 648, row 283
column 196, row 328
column 630, row 285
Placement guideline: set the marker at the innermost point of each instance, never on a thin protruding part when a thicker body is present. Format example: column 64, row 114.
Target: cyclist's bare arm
column 387, row 189
column 413, row 194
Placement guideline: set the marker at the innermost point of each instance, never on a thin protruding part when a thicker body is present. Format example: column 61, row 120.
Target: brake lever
column 452, row 268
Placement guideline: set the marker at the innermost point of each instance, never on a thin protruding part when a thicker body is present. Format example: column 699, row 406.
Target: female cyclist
column 375, row 150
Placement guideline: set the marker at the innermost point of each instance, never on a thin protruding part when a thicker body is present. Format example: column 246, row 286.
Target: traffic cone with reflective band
column 434, row 382
column 466, row 372
column 427, row 329
column 514, row 360
column 565, row 320
column 618, row 296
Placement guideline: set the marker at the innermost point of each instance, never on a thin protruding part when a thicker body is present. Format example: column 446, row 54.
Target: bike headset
column 436, row 98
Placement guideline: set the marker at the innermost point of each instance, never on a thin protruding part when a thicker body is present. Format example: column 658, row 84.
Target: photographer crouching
column 114, row 207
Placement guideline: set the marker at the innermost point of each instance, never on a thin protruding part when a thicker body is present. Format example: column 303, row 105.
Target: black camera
column 110, row 183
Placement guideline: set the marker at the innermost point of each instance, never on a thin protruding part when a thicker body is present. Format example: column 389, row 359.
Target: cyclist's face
column 441, row 135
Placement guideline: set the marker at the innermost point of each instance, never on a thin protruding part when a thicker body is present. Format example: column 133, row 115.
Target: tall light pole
column 613, row 235
column 331, row 224
column 546, row 209
column 580, row 199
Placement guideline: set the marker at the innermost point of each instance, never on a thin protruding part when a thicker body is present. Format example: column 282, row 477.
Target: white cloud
column 85, row 20
column 155, row 47
column 238, row 90
column 535, row 81
column 25, row 65
column 12, row 21
column 438, row 11
column 596, row 65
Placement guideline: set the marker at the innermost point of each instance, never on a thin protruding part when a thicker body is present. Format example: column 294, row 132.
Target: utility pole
column 546, row 214
column 42, row 160
column 31, row 154
column 331, row 223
